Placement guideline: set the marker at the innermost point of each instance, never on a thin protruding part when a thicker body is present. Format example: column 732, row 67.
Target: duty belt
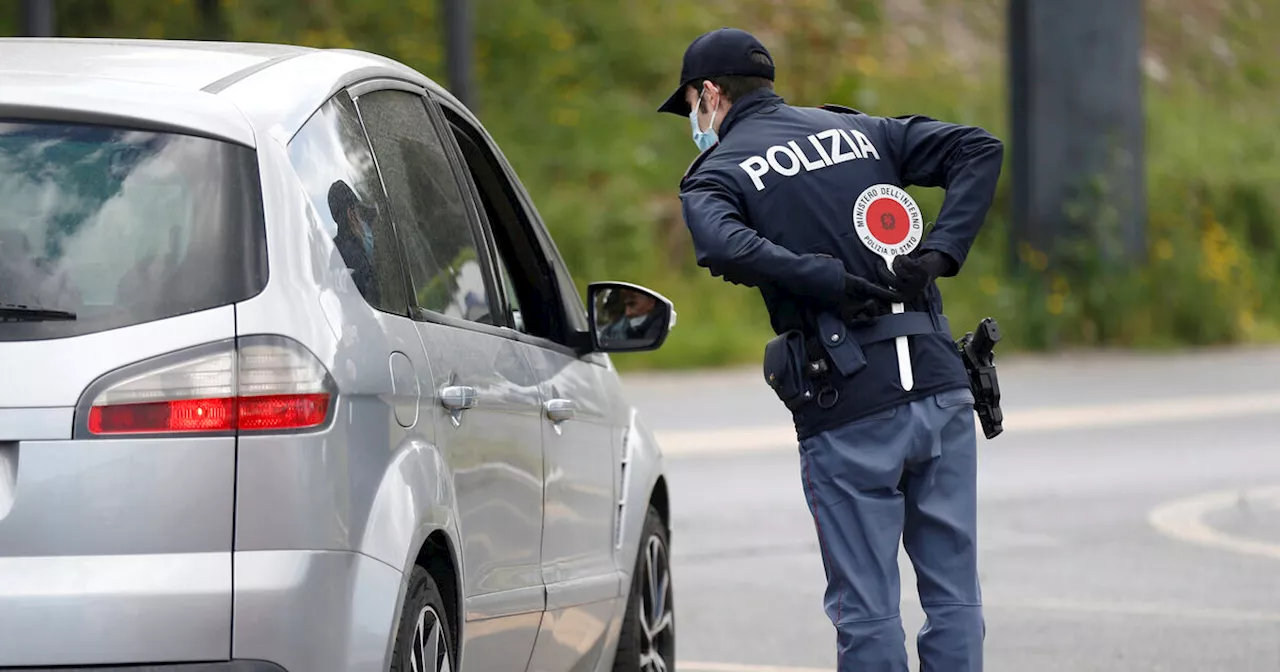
column 890, row 326
column 842, row 343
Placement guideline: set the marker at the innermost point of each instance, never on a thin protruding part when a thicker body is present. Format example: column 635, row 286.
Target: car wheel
column 648, row 639
column 423, row 643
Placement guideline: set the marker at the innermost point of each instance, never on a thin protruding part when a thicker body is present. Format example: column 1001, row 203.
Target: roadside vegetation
column 569, row 89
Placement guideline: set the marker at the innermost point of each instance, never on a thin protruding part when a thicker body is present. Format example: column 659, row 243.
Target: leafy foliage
column 569, row 89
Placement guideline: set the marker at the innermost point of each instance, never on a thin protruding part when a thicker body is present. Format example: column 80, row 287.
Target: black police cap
column 722, row 52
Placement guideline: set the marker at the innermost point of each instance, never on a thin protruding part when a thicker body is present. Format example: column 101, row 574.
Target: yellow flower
column 561, row 39
column 1246, row 322
column 1164, row 249
column 1055, row 304
column 1039, row 260
column 1024, row 251
column 565, row 116
column 1219, row 256
column 989, row 285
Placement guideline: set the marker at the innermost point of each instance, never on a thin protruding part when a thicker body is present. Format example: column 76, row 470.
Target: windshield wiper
column 10, row 312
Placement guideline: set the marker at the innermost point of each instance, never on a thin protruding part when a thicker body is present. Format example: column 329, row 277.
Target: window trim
column 382, row 83
column 579, row 345
column 417, row 313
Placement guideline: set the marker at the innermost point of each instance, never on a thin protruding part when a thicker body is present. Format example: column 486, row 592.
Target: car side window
column 513, row 296
column 332, row 157
column 533, row 279
column 446, row 272
column 575, row 310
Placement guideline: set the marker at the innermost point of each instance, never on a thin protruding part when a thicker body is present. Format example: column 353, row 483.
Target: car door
column 581, row 463
column 489, row 413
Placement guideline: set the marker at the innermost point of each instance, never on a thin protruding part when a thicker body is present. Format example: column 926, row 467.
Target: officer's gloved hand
column 913, row 272
column 861, row 313
column 865, row 300
column 860, row 289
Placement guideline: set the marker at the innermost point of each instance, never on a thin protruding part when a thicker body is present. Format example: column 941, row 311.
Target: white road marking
column 734, row 667
column 1184, row 520
column 783, row 437
column 1119, row 608
column 1147, row 610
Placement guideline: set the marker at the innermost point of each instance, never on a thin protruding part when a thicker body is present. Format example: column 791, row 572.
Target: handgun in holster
column 977, row 349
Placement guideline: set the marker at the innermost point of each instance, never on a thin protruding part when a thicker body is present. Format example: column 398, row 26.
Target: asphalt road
column 1130, row 519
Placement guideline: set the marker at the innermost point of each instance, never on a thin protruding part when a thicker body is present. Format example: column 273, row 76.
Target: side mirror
column 628, row 318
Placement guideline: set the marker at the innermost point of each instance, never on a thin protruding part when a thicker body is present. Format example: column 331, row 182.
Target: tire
column 424, row 634
column 641, row 647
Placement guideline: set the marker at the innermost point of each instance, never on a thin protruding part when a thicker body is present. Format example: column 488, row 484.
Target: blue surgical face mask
column 368, row 237
column 703, row 139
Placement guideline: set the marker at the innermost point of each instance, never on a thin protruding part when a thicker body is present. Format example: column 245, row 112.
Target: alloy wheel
column 429, row 651
column 657, row 620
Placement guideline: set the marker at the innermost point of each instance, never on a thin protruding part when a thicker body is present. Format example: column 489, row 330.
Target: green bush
column 569, row 88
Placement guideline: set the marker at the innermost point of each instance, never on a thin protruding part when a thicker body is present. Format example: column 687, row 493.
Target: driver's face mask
column 366, row 231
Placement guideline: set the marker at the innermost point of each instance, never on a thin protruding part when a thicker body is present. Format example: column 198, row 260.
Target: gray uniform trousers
column 908, row 472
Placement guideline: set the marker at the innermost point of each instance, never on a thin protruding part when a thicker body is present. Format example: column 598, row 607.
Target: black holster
column 977, row 349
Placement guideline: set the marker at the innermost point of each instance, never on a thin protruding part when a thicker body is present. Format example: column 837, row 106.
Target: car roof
column 174, row 63
column 236, row 91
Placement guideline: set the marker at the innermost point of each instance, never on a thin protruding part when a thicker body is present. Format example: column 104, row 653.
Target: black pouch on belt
column 784, row 368
column 845, row 351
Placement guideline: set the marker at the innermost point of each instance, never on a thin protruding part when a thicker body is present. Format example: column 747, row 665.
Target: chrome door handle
column 560, row 410
column 457, row 398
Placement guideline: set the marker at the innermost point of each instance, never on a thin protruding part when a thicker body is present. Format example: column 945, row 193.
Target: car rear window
column 121, row 227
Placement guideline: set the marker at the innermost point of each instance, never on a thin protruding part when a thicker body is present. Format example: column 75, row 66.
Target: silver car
column 293, row 378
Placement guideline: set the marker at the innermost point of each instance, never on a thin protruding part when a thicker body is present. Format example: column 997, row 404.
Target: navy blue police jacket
column 771, row 206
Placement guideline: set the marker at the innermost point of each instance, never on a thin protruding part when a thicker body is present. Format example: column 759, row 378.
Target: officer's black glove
column 913, row 272
column 865, row 300
column 858, row 289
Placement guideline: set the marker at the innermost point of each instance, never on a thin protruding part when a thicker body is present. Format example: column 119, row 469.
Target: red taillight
column 212, row 415
column 297, row 411
column 186, row 415
column 281, row 386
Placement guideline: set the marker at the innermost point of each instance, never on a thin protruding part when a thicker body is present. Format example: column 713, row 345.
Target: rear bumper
column 114, row 609
column 231, row 666
column 315, row 611
column 290, row 611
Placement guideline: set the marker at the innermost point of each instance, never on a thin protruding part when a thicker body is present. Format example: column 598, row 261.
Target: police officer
column 770, row 204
